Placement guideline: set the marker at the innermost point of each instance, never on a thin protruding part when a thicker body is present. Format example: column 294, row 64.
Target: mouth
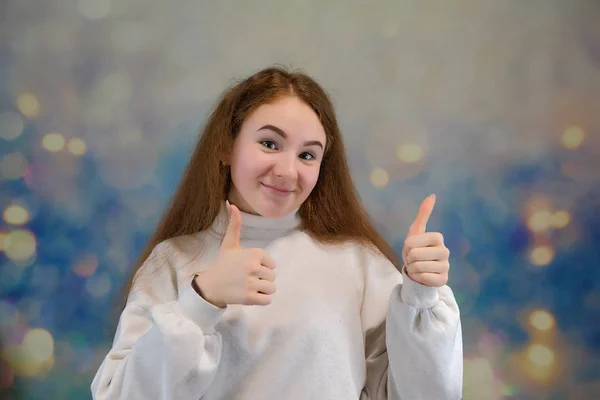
column 277, row 191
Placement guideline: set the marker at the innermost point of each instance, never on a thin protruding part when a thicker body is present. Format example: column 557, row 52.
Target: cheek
column 239, row 171
column 246, row 167
column 309, row 177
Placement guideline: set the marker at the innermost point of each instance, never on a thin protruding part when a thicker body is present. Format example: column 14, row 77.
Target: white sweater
column 344, row 324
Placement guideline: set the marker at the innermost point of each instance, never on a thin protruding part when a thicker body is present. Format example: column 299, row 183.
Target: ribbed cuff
column 416, row 295
column 203, row 313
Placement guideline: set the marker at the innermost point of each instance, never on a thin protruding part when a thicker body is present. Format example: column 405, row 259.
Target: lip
column 277, row 191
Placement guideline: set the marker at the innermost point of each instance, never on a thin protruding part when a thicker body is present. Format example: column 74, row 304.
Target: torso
column 312, row 326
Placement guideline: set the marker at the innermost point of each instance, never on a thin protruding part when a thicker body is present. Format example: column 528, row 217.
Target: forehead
column 290, row 114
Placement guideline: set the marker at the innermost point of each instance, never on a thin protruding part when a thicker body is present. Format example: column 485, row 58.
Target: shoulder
column 374, row 263
column 172, row 252
column 162, row 273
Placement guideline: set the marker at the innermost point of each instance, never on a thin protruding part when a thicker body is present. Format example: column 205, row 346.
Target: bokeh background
column 492, row 105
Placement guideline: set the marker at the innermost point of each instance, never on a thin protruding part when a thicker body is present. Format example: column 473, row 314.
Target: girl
column 266, row 279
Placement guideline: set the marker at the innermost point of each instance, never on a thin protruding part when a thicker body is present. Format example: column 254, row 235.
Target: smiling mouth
column 277, row 191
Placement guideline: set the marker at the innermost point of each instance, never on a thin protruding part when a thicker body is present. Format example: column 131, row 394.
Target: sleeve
column 165, row 346
column 413, row 338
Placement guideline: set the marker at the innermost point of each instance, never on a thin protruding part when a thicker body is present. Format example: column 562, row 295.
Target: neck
column 257, row 227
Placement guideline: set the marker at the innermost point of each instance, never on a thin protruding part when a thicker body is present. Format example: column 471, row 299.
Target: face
column 276, row 158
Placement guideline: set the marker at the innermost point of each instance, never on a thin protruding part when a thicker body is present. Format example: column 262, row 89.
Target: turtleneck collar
column 257, row 227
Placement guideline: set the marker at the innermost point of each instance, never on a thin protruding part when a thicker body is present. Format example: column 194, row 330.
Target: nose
column 285, row 167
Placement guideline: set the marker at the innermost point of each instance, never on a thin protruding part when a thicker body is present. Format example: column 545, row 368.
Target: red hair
column 333, row 212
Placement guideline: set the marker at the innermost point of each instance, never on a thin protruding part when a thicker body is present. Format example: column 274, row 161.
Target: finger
column 439, row 253
column 427, row 239
column 262, row 286
column 430, row 279
column 264, row 273
column 258, row 299
column 261, row 256
column 231, row 239
column 420, row 223
column 436, row 267
column 267, row 260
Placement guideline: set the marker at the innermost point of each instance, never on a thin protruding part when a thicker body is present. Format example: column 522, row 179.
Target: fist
column 238, row 276
column 426, row 258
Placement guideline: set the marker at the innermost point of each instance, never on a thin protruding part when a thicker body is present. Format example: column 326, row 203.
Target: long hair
column 333, row 212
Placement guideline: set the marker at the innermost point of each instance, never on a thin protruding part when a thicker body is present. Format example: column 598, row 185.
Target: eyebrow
column 284, row 135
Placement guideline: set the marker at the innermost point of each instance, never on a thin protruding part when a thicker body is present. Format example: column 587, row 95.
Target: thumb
column 419, row 226
column 231, row 240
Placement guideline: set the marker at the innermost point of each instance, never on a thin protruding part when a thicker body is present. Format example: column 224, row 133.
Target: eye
column 269, row 144
column 307, row 156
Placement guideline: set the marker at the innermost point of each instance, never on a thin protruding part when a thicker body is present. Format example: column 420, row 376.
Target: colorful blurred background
column 492, row 105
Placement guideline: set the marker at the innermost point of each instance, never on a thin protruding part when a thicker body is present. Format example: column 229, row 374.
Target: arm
column 165, row 345
column 414, row 350
column 424, row 343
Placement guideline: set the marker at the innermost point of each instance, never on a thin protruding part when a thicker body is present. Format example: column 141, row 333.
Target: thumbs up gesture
column 426, row 258
column 238, row 276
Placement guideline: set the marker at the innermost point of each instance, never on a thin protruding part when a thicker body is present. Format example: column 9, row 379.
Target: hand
column 426, row 258
column 238, row 276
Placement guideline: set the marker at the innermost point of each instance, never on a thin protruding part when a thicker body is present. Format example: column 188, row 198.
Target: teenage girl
column 266, row 279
